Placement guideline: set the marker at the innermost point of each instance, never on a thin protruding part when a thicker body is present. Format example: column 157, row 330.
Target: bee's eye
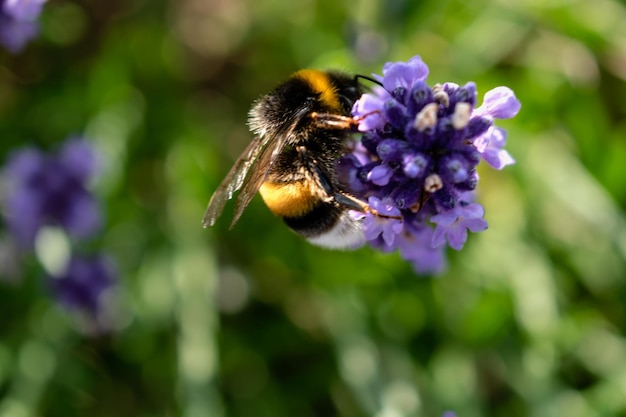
column 346, row 101
column 352, row 92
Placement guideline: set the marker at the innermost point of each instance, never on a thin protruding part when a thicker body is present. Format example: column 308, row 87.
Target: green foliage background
column 528, row 321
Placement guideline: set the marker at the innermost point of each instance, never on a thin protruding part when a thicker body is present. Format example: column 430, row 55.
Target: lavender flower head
column 51, row 189
column 18, row 22
column 416, row 163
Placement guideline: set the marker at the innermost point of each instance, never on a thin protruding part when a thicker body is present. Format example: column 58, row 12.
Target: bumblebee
column 302, row 127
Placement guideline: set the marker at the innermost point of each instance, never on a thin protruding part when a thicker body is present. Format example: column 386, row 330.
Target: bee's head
column 306, row 91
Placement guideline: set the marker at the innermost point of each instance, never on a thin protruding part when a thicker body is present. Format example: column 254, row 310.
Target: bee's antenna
column 368, row 78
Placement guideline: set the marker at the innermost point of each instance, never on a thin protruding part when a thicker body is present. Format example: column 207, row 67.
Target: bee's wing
column 234, row 181
column 247, row 174
column 250, row 170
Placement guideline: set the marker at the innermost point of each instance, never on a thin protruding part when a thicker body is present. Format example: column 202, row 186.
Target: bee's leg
column 320, row 178
column 354, row 203
column 340, row 197
column 334, row 121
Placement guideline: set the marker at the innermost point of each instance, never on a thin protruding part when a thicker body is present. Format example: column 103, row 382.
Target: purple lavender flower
column 18, row 22
column 418, row 154
column 51, row 190
column 84, row 282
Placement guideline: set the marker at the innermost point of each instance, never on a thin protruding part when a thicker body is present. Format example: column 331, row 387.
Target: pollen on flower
column 440, row 95
column 433, row 183
column 461, row 115
column 427, row 117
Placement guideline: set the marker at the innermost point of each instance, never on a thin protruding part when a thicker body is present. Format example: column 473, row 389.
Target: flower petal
column 404, row 75
column 500, row 103
column 457, row 236
column 439, row 237
column 380, row 175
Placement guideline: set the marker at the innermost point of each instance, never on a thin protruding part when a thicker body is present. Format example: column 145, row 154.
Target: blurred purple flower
column 418, row 154
column 18, row 22
column 51, row 190
column 84, row 282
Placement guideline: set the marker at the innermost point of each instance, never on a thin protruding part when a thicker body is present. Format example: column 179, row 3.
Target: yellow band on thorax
column 321, row 84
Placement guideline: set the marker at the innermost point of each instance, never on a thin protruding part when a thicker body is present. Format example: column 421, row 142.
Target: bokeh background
column 528, row 320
